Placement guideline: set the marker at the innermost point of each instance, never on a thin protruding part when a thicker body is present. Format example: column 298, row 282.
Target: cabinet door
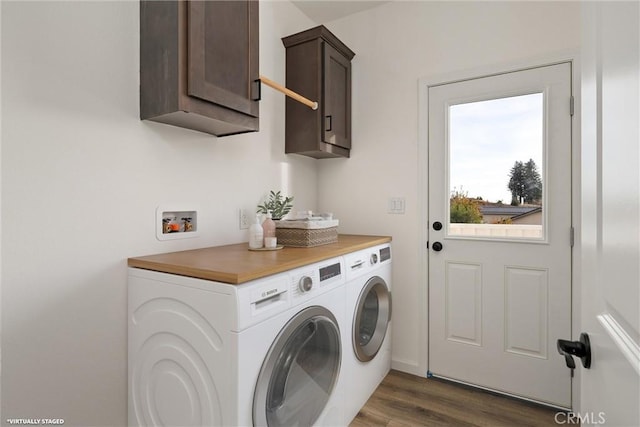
column 223, row 53
column 336, row 98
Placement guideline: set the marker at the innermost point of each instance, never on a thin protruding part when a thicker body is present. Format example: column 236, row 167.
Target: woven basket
column 304, row 238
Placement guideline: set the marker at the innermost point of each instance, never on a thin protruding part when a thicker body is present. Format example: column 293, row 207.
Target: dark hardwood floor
column 407, row 400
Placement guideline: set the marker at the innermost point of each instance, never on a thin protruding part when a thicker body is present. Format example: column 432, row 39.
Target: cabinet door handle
column 328, row 128
column 259, row 82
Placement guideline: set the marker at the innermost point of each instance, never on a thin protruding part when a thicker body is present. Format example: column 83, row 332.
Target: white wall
column 395, row 45
column 81, row 179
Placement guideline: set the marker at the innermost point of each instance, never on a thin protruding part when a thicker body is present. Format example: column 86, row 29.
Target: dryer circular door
column 371, row 318
column 300, row 370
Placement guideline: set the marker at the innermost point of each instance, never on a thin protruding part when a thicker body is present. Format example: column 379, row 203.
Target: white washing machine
column 368, row 358
column 265, row 353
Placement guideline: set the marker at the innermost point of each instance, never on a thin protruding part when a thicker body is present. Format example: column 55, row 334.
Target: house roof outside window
column 510, row 211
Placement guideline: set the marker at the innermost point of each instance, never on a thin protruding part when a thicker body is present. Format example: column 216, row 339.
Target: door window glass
column 496, row 168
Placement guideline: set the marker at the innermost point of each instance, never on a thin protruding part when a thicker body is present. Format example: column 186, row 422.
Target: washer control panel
column 316, row 278
column 385, row 253
column 305, row 284
column 364, row 261
column 373, row 259
column 330, row 271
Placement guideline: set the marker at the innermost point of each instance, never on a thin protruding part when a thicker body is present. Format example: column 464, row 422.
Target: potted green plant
column 278, row 205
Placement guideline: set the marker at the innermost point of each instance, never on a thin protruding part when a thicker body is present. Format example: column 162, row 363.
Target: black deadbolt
column 437, row 246
column 437, row 226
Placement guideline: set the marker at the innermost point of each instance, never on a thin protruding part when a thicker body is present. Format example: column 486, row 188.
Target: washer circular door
column 300, row 371
column 371, row 318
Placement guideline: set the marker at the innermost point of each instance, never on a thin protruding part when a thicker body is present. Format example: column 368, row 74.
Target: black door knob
column 581, row 349
column 437, row 246
column 437, row 226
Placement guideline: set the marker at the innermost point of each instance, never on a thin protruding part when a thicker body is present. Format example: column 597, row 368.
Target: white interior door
column 500, row 290
column 610, row 390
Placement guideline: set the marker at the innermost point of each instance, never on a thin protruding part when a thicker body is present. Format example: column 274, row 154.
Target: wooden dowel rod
column 291, row 94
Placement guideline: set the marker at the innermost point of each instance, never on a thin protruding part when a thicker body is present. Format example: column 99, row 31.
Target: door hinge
column 572, row 102
column 572, row 236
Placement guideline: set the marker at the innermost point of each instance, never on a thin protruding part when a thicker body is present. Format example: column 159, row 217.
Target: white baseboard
column 408, row 367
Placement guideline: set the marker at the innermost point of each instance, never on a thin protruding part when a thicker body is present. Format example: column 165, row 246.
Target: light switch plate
column 396, row 205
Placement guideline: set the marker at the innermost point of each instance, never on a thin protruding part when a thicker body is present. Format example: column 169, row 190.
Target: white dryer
column 264, row 353
column 369, row 310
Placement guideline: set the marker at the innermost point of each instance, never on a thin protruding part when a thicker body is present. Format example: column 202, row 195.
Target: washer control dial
column 373, row 259
column 305, row 284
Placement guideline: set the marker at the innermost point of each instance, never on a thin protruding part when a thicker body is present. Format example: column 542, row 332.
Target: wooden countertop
column 235, row 264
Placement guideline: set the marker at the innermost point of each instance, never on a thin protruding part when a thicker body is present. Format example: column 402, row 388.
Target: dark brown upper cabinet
column 319, row 68
column 199, row 65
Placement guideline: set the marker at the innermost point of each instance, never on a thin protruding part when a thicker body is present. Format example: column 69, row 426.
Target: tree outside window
column 525, row 183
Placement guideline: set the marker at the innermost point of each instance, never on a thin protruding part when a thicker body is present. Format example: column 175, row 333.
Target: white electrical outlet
column 244, row 219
